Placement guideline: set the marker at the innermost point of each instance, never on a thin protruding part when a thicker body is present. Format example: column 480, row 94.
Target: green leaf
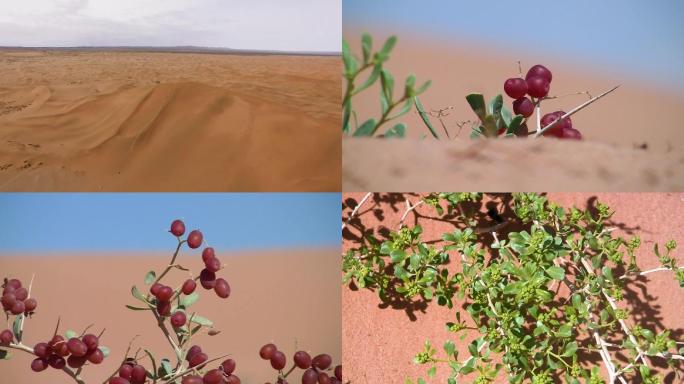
column 515, row 124
column 136, row 293
column 556, row 273
column 70, row 334
column 153, row 360
column 506, row 116
column 477, row 103
column 370, row 80
column 366, row 129
column 607, row 273
column 495, row 105
column 348, row 59
column 189, row 300
column 138, row 308
column 397, row 255
column 387, row 48
column 387, row 82
column 166, row 368
column 105, row 350
column 449, row 348
column 149, row 277
column 346, row 109
column 5, row 355
column 490, row 127
column 423, row 87
column 366, row 46
column 398, row 130
column 404, row 110
column 425, row 117
column 570, row 349
column 16, row 327
column 197, row 319
column 565, row 330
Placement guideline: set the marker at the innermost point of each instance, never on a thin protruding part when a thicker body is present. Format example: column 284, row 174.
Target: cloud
column 306, row 25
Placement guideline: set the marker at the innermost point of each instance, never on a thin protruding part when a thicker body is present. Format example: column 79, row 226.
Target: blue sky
column 58, row 222
column 643, row 38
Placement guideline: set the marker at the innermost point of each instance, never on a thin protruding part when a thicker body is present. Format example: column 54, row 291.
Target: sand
column 152, row 121
column 379, row 341
column 290, row 297
column 615, row 129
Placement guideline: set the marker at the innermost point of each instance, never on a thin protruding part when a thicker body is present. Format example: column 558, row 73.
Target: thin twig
column 356, row 210
column 629, row 275
column 409, row 208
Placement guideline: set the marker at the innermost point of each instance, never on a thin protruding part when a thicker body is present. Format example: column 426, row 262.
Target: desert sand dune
column 166, row 121
column 638, row 115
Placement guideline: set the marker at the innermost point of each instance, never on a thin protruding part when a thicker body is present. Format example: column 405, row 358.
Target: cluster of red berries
column 77, row 351
column 15, row 298
column 212, row 264
column 130, row 372
column 314, row 368
column 221, row 375
column 537, row 84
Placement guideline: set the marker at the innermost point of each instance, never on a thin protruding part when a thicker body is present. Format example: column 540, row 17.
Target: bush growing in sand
column 171, row 309
column 538, row 300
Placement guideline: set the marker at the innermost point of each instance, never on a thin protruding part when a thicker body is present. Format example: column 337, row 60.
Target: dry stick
column 130, row 343
column 409, row 208
column 356, row 210
column 171, row 264
column 23, row 317
column 183, row 372
column 629, row 275
column 573, row 111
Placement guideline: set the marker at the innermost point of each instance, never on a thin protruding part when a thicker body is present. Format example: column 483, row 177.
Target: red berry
column 56, row 362
column 192, row 379
column 41, row 350
column 192, row 351
column 177, row 228
column 126, row 371
column 515, row 87
column 222, row 288
column 302, row 359
column 207, row 279
column 6, row 337
column 18, row 308
column 232, row 379
column 76, row 361
column 195, row 239
column 138, row 374
column 164, row 308
column 571, row 133
column 30, row 305
column 39, row 365
column 189, row 287
column 538, row 86
column 523, row 107
column 267, row 351
column 278, row 360
column 322, row 361
column 8, row 289
column 214, row 376
column 13, row 283
column 59, row 345
column 540, row 71
column 165, row 293
column 77, row 347
column 21, row 294
column 91, row 341
column 118, row 380
column 228, row 366
column 198, row 359
column 154, row 289
column 208, row 253
column 178, row 319
column 213, row 264
column 96, row 356
column 310, row 376
column 8, row 300
column 557, row 129
column 338, row 372
column 323, row 378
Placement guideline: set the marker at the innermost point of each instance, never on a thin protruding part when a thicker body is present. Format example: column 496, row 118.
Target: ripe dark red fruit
column 165, row 293
column 192, row 379
column 126, row 371
column 77, row 347
column 198, row 359
column 58, row 345
column 338, row 372
column 557, row 129
column 192, row 351
column 222, row 288
column 178, row 319
column 571, row 133
column 41, row 350
column 302, row 359
column 540, row 71
column 138, row 374
column 96, row 356
column 177, row 228
column 322, row 361
column 39, row 365
column 195, row 239
column 18, row 307
column 515, row 87
column 523, row 107
column 30, row 304
column 56, row 362
column 13, row 283
column 278, row 360
column 118, row 380
column 213, row 264
column 538, row 86
column 189, row 287
column 164, row 308
column 323, row 378
column 267, row 351
column 310, row 376
column 214, row 376
column 76, row 361
column 21, row 294
column 232, row 379
column 154, row 289
column 228, row 366
column 6, row 337
column 208, row 253
column 8, row 300
column 207, row 279
column 91, row 341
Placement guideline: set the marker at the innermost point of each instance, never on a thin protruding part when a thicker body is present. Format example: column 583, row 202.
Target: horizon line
column 177, row 49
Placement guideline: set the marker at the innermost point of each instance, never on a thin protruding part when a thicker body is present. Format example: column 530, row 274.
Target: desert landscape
column 132, row 120
column 289, row 297
column 632, row 139
column 382, row 338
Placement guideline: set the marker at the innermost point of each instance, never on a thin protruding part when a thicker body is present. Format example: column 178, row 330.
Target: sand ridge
column 163, row 121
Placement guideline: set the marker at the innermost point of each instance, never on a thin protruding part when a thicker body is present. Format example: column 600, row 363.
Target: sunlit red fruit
column 523, row 106
column 322, row 361
column 539, row 71
column 189, row 287
column 15, row 298
column 538, row 87
column 178, row 319
column 177, row 228
column 6, row 337
column 302, row 359
column 278, row 360
column 39, row 365
column 267, row 351
column 515, row 87
column 207, row 279
column 195, row 239
column 222, row 288
column 228, row 366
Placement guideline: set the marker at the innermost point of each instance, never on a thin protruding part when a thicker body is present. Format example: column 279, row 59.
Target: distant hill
column 179, row 49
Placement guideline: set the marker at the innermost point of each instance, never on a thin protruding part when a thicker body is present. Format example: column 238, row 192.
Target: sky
column 642, row 38
column 81, row 222
column 291, row 25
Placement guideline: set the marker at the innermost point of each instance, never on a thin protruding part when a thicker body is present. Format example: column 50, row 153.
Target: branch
column 643, row 273
column 409, row 208
column 29, row 350
column 356, row 209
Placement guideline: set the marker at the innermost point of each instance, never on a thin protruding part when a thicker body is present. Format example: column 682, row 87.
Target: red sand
column 379, row 344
